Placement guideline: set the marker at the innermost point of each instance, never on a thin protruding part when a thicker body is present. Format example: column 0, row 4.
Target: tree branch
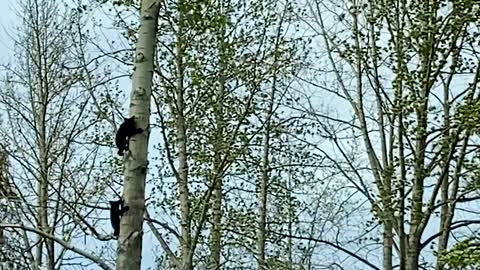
column 63, row 243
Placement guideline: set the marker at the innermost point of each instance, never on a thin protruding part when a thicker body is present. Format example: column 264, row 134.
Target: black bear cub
column 116, row 212
column 126, row 130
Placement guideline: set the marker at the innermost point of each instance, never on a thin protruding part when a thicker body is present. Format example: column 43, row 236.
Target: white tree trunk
column 136, row 162
column 181, row 129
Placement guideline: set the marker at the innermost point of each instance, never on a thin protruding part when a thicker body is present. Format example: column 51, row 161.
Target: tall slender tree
column 48, row 118
column 406, row 59
column 136, row 159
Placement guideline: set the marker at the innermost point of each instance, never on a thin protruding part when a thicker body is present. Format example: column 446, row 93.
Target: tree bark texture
column 181, row 129
column 219, row 146
column 130, row 239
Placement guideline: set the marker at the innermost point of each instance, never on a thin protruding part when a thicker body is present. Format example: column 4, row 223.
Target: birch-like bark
column 387, row 226
column 263, row 192
column 39, row 109
column 43, row 194
column 216, row 236
column 448, row 208
column 265, row 164
column 387, row 160
column 42, row 186
column 219, row 147
column 181, row 129
column 290, row 220
column 445, row 210
column 401, row 196
column 401, row 69
column 417, row 215
column 136, row 162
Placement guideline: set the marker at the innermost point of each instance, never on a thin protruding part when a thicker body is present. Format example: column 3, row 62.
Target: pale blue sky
column 7, row 22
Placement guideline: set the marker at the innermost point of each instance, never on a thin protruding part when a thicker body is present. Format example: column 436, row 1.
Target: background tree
column 406, row 64
column 56, row 158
